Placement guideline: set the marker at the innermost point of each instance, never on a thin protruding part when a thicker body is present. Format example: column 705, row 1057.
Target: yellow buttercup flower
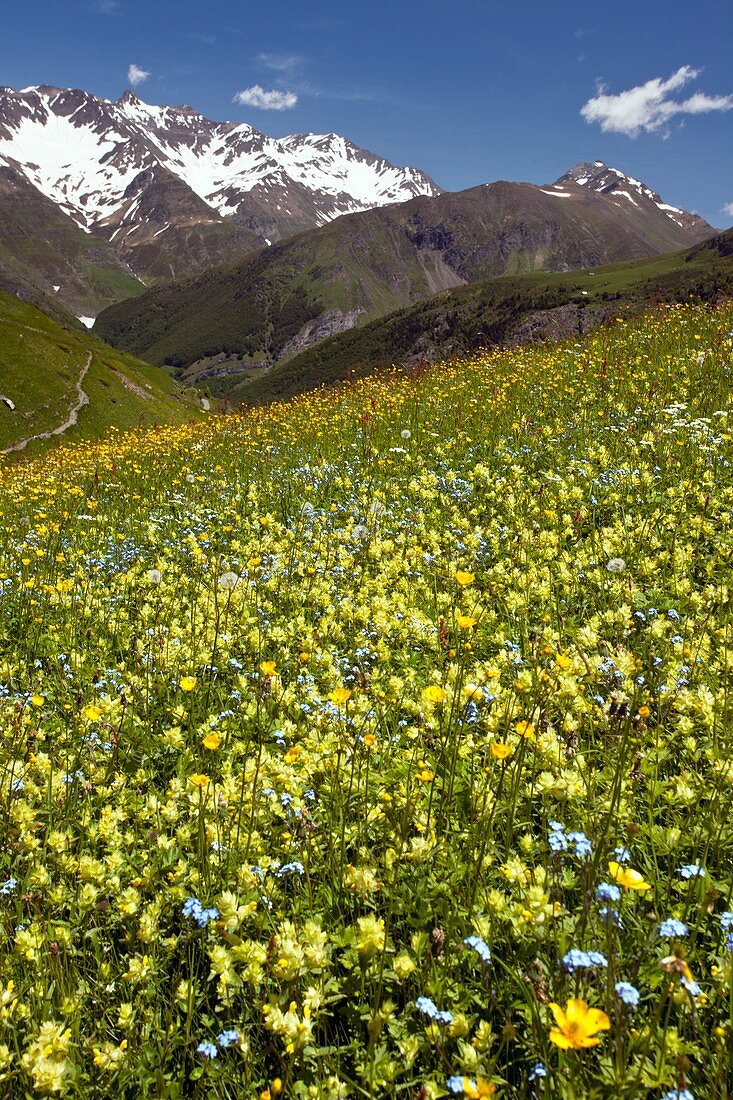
column 37, row 700
column 577, row 1025
column 477, row 1090
column 187, row 683
column 340, row 695
column 268, row 668
column 200, row 780
column 627, row 877
column 92, row 712
column 465, row 622
column 563, row 661
column 500, row 751
column 464, row 578
column 211, row 741
column 526, row 730
column 433, row 694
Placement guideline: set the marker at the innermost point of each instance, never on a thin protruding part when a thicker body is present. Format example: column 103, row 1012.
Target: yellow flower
column 627, row 877
column 463, row 578
column 340, row 695
column 644, row 712
column 577, row 1025
column 187, row 683
column 372, row 938
column 37, row 700
column 478, row 1089
column 369, row 740
column 500, row 750
column 267, row 668
column 563, row 661
column 472, row 691
column 433, row 694
column 92, row 712
column 199, row 780
column 211, row 741
column 525, row 729
column 465, row 622
column 425, row 775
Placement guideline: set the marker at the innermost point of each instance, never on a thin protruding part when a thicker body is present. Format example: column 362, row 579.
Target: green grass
column 41, row 361
column 305, row 710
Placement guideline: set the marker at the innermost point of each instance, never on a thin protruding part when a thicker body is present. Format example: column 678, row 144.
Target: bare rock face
column 329, row 323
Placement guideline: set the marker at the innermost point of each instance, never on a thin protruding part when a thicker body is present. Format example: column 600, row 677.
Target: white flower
column 154, row 576
column 228, row 580
column 615, row 565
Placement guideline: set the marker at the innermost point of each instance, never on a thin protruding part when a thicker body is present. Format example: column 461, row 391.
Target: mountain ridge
column 509, row 311
column 140, row 176
column 370, row 263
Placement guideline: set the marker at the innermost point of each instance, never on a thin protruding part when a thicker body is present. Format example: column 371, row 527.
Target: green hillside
column 269, row 306
column 55, row 375
column 498, row 311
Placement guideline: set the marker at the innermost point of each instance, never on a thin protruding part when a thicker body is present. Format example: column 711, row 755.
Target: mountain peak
column 134, row 168
column 615, row 184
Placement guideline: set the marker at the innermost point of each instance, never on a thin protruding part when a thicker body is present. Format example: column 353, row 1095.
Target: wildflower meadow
column 380, row 743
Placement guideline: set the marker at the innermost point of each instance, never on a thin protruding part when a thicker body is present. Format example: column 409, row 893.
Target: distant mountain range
column 275, row 303
column 509, row 311
column 222, row 253
column 164, row 191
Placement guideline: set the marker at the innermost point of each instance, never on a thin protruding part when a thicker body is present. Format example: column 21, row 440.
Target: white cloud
column 136, row 75
column 650, row 106
column 728, row 209
column 266, row 101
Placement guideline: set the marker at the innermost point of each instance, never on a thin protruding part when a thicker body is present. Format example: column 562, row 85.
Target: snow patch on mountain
column 85, row 154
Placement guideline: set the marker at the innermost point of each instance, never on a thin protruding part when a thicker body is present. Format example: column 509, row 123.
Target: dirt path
column 81, row 400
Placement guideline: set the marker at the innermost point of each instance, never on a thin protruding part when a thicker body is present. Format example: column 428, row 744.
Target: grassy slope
column 497, row 311
column 40, row 364
column 379, row 261
column 274, row 787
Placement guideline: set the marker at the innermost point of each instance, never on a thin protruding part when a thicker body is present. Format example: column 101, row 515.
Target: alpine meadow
column 366, row 551
column 378, row 743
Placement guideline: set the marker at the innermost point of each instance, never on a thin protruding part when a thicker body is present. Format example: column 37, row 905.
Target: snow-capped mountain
column 597, row 176
column 130, row 172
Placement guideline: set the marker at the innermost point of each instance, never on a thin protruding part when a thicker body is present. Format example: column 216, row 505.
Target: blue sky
column 468, row 90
